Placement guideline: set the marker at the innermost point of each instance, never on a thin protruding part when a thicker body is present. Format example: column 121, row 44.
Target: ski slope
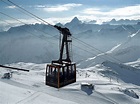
column 29, row 88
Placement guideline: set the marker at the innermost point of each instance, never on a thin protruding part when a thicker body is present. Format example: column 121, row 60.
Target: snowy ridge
column 127, row 51
column 134, row 63
column 134, row 34
column 110, row 51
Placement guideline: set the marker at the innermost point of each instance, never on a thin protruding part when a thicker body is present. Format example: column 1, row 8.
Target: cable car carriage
column 61, row 72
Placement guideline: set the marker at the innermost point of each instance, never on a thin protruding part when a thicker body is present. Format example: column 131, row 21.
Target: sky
column 54, row 11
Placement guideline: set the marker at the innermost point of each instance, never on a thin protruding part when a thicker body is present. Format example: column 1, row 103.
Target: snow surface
column 29, row 88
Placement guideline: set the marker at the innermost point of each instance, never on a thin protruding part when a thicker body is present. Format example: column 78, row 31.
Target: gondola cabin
column 63, row 71
column 60, row 75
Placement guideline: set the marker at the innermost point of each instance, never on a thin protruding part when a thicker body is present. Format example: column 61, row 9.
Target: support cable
column 21, row 11
column 32, row 16
column 100, row 52
column 31, row 13
column 25, row 30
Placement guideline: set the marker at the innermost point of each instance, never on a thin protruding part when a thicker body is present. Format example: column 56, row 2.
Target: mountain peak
column 75, row 20
column 113, row 20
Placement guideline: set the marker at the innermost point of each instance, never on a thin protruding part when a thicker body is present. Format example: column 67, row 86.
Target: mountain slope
column 127, row 51
column 29, row 87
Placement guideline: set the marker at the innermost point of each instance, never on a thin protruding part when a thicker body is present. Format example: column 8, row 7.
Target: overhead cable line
column 25, row 29
column 24, row 24
column 24, row 12
column 100, row 52
column 30, row 13
column 21, row 11
column 98, row 55
column 84, row 50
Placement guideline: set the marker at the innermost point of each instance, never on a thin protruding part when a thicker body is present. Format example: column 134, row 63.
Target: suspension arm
column 8, row 67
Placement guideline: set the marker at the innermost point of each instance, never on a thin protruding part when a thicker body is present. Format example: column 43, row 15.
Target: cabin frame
column 60, row 75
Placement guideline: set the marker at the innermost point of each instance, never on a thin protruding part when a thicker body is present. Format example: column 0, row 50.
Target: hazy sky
column 64, row 10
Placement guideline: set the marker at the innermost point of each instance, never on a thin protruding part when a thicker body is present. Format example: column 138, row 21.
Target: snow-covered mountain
column 39, row 43
column 28, row 43
column 127, row 51
column 130, row 49
column 122, row 21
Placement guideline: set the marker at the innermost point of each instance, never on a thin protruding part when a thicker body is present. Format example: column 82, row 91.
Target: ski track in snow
column 29, row 98
column 113, row 102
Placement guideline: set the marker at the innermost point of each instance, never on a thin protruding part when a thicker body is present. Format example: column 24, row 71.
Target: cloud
column 58, row 8
column 125, row 11
column 39, row 6
column 92, row 11
column 11, row 7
